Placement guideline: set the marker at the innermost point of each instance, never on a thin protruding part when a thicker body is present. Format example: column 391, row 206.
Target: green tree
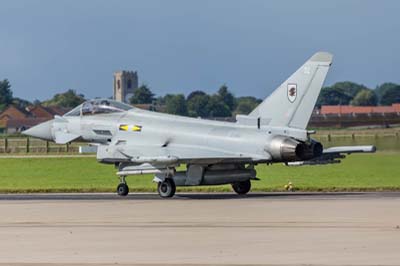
column 21, row 103
column 349, row 88
column 142, row 95
column 383, row 88
column 68, row 99
column 6, row 95
column 246, row 104
column 365, row 98
column 227, row 97
column 218, row 108
column 197, row 102
column 390, row 96
column 339, row 93
column 195, row 93
column 175, row 104
column 160, row 100
column 333, row 96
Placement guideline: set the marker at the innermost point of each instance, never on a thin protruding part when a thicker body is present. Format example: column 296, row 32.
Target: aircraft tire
column 167, row 188
column 242, row 188
column 122, row 189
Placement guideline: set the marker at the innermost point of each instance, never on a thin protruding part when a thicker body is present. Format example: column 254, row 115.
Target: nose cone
column 41, row 131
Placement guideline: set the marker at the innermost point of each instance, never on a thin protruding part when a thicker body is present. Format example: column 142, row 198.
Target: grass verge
column 358, row 172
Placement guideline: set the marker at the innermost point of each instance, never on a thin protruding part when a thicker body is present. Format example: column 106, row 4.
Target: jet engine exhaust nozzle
column 288, row 149
column 307, row 151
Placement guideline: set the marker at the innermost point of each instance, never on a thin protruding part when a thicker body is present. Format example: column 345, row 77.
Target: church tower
column 125, row 82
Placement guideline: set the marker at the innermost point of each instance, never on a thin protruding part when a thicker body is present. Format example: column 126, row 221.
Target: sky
column 178, row 46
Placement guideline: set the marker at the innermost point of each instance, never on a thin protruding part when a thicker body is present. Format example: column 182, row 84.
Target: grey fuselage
column 158, row 130
column 143, row 142
column 275, row 131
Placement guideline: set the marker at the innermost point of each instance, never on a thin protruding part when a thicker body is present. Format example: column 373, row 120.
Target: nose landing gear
column 122, row 188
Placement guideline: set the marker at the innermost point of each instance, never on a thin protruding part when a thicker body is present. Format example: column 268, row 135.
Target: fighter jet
column 212, row 152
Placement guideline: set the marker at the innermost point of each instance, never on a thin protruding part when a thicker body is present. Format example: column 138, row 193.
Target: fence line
column 32, row 145
column 355, row 136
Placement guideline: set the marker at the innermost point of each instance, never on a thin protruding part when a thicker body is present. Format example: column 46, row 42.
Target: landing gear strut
column 166, row 188
column 122, row 188
column 241, row 188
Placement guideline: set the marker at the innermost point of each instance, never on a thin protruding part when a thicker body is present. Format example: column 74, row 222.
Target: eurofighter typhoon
column 214, row 152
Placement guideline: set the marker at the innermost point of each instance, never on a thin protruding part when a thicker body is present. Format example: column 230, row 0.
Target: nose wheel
column 122, row 188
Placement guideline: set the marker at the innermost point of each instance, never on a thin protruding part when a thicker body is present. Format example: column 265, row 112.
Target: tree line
column 68, row 99
column 198, row 103
column 223, row 103
column 350, row 93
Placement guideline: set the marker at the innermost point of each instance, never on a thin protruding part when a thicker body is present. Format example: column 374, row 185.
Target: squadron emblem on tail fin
column 292, row 92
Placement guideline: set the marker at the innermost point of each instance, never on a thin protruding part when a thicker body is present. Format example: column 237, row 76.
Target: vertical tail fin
column 292, row 103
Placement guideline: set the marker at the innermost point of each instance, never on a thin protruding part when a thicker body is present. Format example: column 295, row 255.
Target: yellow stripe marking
column 124, row 127
column 137, row 128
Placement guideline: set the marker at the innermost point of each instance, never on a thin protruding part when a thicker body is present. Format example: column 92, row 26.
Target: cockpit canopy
column 99, row 106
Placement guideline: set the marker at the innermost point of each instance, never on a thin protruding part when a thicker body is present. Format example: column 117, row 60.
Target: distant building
column 342, row 116
column 348, row 109
column 14, row 119
column 125, row 82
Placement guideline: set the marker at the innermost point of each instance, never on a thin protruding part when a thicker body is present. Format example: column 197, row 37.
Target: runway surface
column 201, row 229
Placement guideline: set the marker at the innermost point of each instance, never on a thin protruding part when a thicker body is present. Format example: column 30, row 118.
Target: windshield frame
column 99, row 106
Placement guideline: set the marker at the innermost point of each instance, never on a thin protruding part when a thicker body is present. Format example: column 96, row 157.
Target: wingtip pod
column 351, row 149
column 322, row 57
column 373, row 148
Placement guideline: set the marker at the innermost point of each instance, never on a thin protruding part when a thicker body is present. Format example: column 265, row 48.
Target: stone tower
column 125, row 82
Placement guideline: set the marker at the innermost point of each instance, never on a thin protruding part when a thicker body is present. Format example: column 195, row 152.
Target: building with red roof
column 348, row 109
column 355, row 116
column 14, row 119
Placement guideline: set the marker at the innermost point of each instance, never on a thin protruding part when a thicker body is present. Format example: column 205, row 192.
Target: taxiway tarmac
column 266, row 228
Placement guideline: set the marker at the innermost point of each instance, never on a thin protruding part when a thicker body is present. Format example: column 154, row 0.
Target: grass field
column 380, row 171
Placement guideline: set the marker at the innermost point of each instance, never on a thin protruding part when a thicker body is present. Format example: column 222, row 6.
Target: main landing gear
column 166, row 185
column 241, row 188
column 166, row 188
column 122, row 188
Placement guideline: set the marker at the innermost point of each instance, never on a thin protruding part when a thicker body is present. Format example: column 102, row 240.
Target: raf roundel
column 292, row 92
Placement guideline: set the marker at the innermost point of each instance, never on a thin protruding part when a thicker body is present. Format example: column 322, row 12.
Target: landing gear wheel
column 241, row 188
column 123, row 189
column 166, row 188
